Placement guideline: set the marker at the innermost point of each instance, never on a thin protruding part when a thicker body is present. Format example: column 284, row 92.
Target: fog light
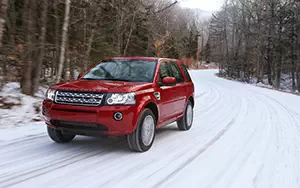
column 118, row 116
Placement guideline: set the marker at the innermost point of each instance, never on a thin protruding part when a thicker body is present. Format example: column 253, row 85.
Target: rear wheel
column 185, row 123
column 58, row 136
column 142, row 138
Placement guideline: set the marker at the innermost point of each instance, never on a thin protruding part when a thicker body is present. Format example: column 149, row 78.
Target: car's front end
column 89, row 113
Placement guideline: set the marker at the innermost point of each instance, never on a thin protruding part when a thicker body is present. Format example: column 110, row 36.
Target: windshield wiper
column 89, row 79
column 112, row 79
column 109, row 75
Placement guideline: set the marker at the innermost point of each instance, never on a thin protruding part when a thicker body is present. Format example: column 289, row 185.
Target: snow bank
column 285, row 83
column 17, row 109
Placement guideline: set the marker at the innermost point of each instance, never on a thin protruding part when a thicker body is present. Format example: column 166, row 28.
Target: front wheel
column 58, row 136
column 142, row 138
column 185, row 123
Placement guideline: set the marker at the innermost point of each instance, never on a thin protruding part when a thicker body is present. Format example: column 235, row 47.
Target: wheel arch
column 153, row 107
column 191, row 99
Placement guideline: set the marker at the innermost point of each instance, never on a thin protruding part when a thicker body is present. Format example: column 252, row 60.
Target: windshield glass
column 123, row 70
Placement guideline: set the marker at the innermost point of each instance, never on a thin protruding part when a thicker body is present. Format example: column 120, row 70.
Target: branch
column 167, row 7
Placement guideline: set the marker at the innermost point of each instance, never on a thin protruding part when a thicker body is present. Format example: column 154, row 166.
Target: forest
column 46, row 41
column 258, row 40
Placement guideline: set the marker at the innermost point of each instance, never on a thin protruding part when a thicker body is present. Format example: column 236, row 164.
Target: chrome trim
column 78, row 98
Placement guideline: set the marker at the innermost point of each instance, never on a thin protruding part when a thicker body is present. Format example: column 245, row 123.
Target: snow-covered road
column 243, row 136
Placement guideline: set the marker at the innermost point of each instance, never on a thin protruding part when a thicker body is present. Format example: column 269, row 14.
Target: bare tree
column 29, row 52
column 63, row 40
column 40, row 59
column 264, row 41
column 57, row 37
column 3, row 9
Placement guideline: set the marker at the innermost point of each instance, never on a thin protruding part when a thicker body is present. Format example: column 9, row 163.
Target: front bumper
column 91, row 121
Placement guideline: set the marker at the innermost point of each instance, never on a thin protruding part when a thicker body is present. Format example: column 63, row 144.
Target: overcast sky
column 206, row 5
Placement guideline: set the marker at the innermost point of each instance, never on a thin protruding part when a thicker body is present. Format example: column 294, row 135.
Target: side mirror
column 169, row 81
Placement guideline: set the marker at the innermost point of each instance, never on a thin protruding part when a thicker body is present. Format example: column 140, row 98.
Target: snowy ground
column 286, row 84
column 17, row 109
column 243, row 136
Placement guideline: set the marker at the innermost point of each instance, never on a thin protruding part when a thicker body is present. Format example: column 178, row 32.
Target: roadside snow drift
column 243, row 136
column 17, row 109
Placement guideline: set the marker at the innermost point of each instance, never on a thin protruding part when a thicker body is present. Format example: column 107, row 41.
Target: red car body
column 168, row 107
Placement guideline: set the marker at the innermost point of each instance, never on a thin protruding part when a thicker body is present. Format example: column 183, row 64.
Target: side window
column 176, row 72
column 164, row 71
column 186, row 72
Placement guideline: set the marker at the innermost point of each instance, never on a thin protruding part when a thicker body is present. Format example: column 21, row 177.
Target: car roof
column 142, row 58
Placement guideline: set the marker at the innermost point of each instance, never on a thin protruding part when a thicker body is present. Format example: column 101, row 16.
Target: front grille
column 78, row 125
column 78, row 98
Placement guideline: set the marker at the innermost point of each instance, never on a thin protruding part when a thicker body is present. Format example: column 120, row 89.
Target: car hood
column 102, row 86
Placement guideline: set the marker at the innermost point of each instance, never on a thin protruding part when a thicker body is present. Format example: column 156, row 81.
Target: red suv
column 129, row 96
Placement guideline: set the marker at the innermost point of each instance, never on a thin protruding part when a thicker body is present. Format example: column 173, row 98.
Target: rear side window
column 186, row 72
column 176, row 72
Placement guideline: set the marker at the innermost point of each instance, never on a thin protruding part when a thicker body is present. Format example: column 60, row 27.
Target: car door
column 188, row 82
column 166, row 102
column 179, row 90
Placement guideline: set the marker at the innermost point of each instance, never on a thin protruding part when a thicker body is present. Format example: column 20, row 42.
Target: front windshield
column 123, row 70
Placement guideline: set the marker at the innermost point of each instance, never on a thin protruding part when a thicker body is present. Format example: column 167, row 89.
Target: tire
column 183, row 123
column 142, row 138
column 58, row 137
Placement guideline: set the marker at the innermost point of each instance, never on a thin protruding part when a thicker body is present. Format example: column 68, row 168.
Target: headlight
column 120, row 98
column 50, row 94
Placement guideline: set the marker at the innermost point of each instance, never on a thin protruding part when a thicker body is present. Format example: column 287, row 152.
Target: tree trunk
column 295, row 48
column 72, row 66
column 85, row 45
column 27, row 60
column 88, row 50
column 293, row 76
column 202, row 47
column 270, row 51
column 260, row 68
column 298, row 78
column 298, row 63
column 4, row 73
column 3, row 12
column 40, row 59
column 278, row 71
column 129, row 35
column 63, row 40
column 120, row 28
column 259, row 48
column 57, row 37
column 11, row 22
column 66, row 76
column 279, row 60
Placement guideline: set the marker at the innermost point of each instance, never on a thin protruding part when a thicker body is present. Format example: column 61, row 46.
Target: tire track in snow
column 190, row 159
column 15, row 178
column 283, row 124
column 245, row 155
column 197, row 154
column 243, row 152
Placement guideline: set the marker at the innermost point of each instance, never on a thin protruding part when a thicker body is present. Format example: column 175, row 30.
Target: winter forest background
column 44, row 41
